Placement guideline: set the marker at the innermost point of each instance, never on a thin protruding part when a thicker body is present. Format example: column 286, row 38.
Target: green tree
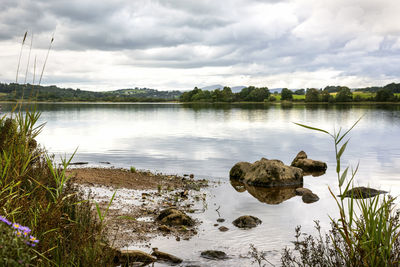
column 227, row 95
column 384, row 94
column 326, row 97
column 300, row 92
column 312, row 95
column 286, row 94
column 344, row 95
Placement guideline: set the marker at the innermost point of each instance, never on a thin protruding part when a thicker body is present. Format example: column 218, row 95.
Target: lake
column 207, row 140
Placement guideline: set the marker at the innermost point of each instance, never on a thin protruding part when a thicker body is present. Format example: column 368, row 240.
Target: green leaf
column 343, row 177
column 311, row 128
column 342, row 149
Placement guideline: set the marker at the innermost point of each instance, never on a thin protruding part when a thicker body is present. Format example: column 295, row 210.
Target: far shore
column 208, row 103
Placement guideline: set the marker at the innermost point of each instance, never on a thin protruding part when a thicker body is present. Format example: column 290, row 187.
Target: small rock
column 363, row 192
column 172, row 216
column 223, row 229
column 214, row 255
column 220, row 220
column 164, row 228
column 191, row 176
column 308, row 165
column 216, row 224
column 246, row 221
column 79, row 163
column 105, row 162
column 178, row 238
column 165, row 256
column 129, row 256
column 309, row 198
column 301, row 191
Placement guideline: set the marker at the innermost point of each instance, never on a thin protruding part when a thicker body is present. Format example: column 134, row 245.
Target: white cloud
column 178, row 44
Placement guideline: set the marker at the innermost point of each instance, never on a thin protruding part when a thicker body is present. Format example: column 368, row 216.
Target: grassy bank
column 35, row 194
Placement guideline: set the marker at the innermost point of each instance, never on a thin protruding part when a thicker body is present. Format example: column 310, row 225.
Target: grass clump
column 133, row 169
column 366, row 232
column 34, row 191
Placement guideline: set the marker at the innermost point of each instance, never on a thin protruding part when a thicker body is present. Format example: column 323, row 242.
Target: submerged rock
column 214, row 255
column 363, row 192
column 301, row 191
column 266, row 173
column 307, row 195
column 223, row 229
column 174, row 217
column 246, row 221
column 165, row 256
column 130, row 256
column 309, row 198
column 309, row 166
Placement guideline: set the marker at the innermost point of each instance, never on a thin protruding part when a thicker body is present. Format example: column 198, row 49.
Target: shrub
column 369, row 236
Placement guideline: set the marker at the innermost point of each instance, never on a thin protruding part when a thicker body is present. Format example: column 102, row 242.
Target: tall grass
column 366, row 232
column 35, row 192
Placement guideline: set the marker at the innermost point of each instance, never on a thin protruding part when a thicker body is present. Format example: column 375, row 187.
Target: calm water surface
column 207, row 140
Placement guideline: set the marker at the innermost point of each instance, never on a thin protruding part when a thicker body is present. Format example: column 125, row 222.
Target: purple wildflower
column 4, row 220
column 33, row 241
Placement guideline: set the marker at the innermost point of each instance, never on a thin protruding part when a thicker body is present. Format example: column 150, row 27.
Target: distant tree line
column 247, row 94
column 330, row 94
column 14, row 91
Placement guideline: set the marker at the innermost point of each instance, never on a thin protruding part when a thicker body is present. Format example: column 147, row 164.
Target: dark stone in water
column 105, row 162
column 309, row 197
column 165, row 256
column 214, row 255
column 246, row 221
column 79, row 163
column 309, row 166
column 223, row 229
column 220, row 220
column 172, row 216
column 363, row 192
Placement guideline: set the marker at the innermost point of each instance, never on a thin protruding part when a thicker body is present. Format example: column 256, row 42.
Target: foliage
column 368, row 236
column 133, row 169
column 300, row 92
column 15, row 246
column 286, row 94
column 344, row 95
column 250, row 94
column 15, row 91
column 312, row 95
column 384, row 94
column 35, row 192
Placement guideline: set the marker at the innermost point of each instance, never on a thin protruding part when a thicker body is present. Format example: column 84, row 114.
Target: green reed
column 366, row 232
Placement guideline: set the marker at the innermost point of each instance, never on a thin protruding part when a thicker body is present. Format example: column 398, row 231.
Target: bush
column 35, row 192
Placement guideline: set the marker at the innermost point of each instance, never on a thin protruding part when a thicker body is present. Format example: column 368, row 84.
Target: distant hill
column 15, row 91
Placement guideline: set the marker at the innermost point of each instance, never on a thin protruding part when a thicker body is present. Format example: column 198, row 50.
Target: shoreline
column 206, row 103
column 140, row 197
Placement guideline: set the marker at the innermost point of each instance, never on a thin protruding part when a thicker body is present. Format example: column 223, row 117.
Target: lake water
column 207, row 140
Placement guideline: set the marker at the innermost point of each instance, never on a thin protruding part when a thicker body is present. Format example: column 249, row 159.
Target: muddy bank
column 140, row 198
column 139, row 180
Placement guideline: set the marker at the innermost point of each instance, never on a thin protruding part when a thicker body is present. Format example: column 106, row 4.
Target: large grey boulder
column 309, row 166
column 266, row 173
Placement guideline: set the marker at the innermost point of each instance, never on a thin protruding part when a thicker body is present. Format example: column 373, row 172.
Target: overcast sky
column 179, row 44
